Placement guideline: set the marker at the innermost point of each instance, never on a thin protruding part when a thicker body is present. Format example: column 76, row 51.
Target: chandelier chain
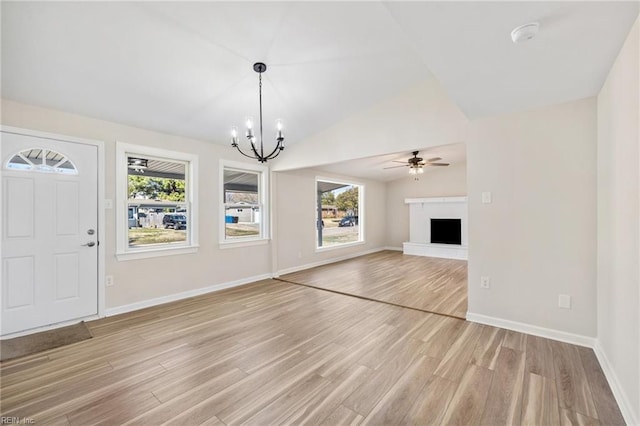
column 260, row 97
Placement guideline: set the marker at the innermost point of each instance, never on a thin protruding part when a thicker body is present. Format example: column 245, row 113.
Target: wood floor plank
column 342, row 416
column 431, row 403
column 363, row 399
column 488, row 347
column 605, row 402
column 540, row 357
column 287, row 404
column 440, row 336
column 394, row 405
column 571, row 418
column 330, row 398
column 92, row 388
column 468, row 402
column 456, row 360
column 370, row 341
column 180, row 405
column 241, row 410
column 540, row 402
column 574, row 392
column 504, row 400
column 514, row 340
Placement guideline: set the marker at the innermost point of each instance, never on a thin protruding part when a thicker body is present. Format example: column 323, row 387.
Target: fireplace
column 437, row 227
column 446, row 231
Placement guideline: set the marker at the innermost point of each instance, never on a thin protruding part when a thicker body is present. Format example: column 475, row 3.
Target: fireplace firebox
column 446, row 231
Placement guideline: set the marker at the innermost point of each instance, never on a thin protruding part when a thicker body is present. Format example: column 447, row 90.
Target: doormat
column 45, row 340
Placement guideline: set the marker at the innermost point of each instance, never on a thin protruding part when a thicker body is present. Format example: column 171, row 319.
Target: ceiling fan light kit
column 417, row 164
column 525, row 32
column 137, row 164
column 257, row 151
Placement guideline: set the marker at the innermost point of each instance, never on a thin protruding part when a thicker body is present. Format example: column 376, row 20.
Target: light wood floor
column 272, row 353
column 426, row 283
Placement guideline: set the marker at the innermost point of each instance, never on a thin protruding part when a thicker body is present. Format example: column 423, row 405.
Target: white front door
column 49, row 231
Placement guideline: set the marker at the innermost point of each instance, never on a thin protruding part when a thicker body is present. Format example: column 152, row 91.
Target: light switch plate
column 564, row 301
column 486, row 197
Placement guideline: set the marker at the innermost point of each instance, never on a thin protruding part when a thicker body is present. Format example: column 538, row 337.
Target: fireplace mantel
column 421, row 211
column 436, row 200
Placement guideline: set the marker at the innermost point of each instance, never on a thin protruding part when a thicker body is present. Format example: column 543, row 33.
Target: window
column 41, row 160
column 244, row 202
column 338, row 212
column 156, row 198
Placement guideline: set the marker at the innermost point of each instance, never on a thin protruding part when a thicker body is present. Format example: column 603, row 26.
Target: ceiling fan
column 416, row 164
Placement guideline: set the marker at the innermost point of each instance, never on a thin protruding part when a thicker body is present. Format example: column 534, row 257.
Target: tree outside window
column 338, row 213
column 157, row 208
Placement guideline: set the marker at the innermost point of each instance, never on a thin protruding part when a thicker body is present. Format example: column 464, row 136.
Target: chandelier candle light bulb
column 279, row 126
column 234, row 136
column 249, row 124
column 257, row 152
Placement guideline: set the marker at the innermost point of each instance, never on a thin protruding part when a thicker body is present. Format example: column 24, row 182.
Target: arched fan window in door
column 42, row 160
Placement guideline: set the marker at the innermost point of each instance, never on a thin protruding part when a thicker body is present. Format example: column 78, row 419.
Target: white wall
column 421, row 116
column 435, row 182
column 141, row 280
column 295, row 212
column 538, row 237
column 618, row 222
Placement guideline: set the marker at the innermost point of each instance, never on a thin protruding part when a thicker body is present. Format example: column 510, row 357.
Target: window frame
column 264, row 199
column 123, row 251
column 361, row 218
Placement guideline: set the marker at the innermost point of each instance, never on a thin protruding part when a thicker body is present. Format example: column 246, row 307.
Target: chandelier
column 257, row 151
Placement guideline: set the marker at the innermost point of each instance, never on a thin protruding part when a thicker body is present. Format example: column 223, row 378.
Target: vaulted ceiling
column 185, row 68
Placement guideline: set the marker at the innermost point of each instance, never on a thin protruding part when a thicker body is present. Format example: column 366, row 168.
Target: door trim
column 101, row 214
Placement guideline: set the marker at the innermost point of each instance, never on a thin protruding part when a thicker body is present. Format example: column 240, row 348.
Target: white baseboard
column 618, row 392
column 326, row 262
column 548, row 333
column 184, row 295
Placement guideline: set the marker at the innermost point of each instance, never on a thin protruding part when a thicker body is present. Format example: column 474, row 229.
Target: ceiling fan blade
column 433, row 159
column 437, row 164
column 394, row 167
column 394, row 161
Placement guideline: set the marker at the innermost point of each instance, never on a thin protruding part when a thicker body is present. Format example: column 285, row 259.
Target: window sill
column 157, row 252
column 339, row 246
column 246, row 243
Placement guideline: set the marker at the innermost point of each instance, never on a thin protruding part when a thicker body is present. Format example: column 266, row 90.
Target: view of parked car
column 348, row 221
column 175, row 221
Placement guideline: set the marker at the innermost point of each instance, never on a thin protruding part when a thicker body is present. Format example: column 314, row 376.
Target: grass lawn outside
column 147, row 236
column 339, row 239
column 242, row 229
column 335, row 235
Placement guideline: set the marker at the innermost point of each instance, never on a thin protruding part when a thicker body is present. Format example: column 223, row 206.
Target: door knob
column 91, row 231
column 90, row 244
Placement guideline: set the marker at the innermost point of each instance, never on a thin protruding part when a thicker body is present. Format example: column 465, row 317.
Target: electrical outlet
column 564, row 301
column 485, row 282
column 108, row 280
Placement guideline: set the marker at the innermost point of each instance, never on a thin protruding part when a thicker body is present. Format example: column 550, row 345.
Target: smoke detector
column 525, row 32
